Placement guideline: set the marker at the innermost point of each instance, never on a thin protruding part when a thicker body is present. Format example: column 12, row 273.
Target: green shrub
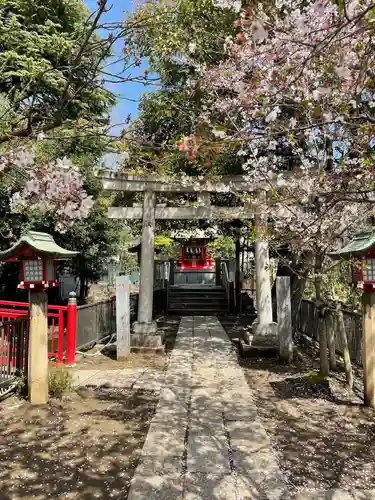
column 21, row 381
column 60, row 382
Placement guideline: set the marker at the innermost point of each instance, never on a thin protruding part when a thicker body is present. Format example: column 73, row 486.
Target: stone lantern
column 37, row 254
column 360, row 251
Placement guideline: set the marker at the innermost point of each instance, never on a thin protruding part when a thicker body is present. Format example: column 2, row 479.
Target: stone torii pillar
column 145, row 329
column 264, row 329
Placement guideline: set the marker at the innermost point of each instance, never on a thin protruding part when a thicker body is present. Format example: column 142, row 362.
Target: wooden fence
column 309, row 322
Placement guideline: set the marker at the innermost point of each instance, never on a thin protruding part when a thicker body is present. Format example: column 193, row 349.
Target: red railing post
column 71, row 330
column 60, row 338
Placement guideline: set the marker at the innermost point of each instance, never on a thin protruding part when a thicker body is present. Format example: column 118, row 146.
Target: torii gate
column 145, row 329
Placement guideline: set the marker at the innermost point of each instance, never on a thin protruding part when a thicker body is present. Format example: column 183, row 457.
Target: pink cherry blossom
column 301, row 74
column 53, row 189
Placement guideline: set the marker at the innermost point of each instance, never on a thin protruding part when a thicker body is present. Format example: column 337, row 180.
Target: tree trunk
column 330, row 325
column 346, row 352
column 324, row 361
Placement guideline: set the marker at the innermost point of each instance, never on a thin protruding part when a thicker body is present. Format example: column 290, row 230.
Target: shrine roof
column 42, row 244
column 359, row 245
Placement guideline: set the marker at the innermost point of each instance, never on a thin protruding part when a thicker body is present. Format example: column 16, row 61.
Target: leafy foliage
column 223, row 246
column 49, row 62
column 176, row 38
column 336, row 285
column 60, row 382
column 199, row 30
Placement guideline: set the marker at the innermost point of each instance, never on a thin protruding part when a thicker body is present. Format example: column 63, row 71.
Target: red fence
column 14, row 336
column 62, row 326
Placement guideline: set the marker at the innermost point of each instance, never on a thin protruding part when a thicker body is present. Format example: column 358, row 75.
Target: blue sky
column 128, row 92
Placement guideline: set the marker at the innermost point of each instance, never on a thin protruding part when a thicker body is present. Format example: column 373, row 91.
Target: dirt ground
column 324, row 437
column 86, row 446
column 103, row 357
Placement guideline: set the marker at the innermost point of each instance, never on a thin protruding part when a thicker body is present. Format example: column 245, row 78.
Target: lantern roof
column 361, row 244
column 135, row 245
column 42, row 244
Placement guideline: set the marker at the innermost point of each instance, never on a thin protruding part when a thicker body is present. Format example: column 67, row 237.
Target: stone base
column 263, row 335
column 145, row 335
column 148, row 350
column 145, row 328
column 141, row 340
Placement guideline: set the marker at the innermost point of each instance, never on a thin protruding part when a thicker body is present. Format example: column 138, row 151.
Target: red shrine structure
column 195, row 256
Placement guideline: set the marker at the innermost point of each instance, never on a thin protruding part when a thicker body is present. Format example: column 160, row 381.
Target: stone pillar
column 284, row 319
column 38, row 348
column 368, row 301
column 264, row 329
column 145, row 329
column 122, row 317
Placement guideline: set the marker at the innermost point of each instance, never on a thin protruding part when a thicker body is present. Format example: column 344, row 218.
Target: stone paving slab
column 258, row 462
column 238, row 410
column 174, row 393
column 165, row 439
column 363, row 494
column 208, row 453
column 200, row 486
column 166, row 410
column 262, row 485
column 210, row 419
column 248, row 437
column 149, row 465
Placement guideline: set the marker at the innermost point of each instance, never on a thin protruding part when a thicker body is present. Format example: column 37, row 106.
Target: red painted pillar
column 71, row 331
column 205, row 262
column 60, row 338
column 182, row 258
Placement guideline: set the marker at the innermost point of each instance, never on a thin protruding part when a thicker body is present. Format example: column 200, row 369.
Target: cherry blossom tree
column 52, row 188
column 296, row 94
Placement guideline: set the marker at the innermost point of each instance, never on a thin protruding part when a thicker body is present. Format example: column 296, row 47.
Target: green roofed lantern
column 361, row 249
column 37, row 253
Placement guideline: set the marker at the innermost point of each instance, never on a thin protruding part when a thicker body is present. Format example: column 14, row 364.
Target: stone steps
column 193, row 301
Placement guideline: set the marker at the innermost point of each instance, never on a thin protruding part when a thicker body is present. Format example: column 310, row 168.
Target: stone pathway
column 205, row 441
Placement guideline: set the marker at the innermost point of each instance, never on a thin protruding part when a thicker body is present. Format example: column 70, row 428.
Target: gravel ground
column 324, row 437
